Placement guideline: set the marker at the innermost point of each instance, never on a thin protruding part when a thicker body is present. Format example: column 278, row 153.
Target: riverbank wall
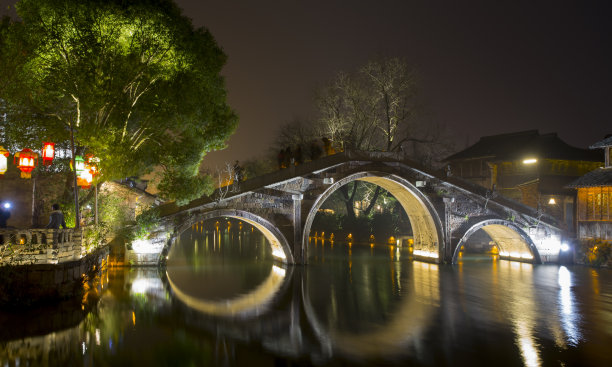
column 29, row 285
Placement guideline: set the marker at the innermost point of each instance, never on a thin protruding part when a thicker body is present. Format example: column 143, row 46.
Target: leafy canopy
column 138, row 84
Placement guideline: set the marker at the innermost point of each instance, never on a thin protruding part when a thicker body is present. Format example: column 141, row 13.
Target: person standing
column 56, row 219
column 5, row 214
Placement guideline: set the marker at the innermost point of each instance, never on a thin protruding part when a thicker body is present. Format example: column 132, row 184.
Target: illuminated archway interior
column 425, row 232
column 510, row 243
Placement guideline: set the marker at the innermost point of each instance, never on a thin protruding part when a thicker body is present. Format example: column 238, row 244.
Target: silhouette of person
column 56, row 219
column 281, row 159
column 288, row 157
column 298, row 155
column 315, row 150
column 5, row 214
column 327, row 146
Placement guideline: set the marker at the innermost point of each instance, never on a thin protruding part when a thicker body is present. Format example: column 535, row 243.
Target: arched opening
column 506, row 241
column 426, row 234
column 278, row 243
column 226, row 265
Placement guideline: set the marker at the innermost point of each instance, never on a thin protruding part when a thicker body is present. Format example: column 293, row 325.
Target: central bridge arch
column 424, row 220
column 280, row 247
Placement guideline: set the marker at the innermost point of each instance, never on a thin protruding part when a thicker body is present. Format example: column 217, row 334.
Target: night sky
column 486, row 67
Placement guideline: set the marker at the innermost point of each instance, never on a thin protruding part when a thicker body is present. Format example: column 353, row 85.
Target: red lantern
column 48, row 152
column 27, row 161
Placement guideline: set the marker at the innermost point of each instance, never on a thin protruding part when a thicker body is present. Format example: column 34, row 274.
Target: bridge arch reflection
column 512, row 241
column 424, row 220
column 403, row 329
column 253, row 303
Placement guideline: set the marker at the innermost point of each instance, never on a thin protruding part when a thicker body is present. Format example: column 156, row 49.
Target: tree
column 137, row 84
column 377, row 108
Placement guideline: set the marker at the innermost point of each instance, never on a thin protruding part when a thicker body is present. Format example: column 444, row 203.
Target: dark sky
column 486, row 67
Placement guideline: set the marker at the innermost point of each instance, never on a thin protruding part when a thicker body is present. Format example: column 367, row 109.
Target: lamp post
column 77, row 223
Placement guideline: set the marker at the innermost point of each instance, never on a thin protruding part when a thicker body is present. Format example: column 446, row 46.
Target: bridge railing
column 40, row 246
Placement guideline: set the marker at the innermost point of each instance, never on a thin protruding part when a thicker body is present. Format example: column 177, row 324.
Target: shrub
column 595, row 252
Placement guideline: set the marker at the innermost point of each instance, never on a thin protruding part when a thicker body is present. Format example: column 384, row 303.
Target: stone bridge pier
column 443, row 211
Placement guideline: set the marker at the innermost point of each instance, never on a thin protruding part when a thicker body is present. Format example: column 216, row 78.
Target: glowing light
column 565, row 247
column 133, row 318
column 552, row 201
column 278, row 253
column 26, row 160
column 48, row 152
column 278, row 271
column 3, row 160
column 143, row 247
column 529, row 161
column 97, row 336
column 145, row 285
column 426, row 253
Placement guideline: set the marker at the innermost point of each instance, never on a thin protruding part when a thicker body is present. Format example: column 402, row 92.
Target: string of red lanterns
column 26, row 160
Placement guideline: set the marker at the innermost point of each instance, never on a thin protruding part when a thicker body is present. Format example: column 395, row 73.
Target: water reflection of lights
column 253, row 303
column 518, row 282
column 566, row 301
column 527, row 345
column 404, row 327
column 146, row 285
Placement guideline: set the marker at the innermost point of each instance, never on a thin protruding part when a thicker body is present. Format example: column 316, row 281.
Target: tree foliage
column 137, row 83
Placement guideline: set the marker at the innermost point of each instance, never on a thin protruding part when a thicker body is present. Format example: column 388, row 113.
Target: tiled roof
column 602, row 144
column 525, row 144
column 598, row 177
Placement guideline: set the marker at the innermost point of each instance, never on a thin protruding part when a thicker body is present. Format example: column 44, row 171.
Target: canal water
column 223, row 301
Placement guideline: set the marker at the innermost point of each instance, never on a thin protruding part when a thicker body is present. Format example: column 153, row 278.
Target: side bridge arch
column 281, row 251
column 512, row 241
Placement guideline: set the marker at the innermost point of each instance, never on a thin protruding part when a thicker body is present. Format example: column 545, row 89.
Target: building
column 594, row 209
column 529, row 167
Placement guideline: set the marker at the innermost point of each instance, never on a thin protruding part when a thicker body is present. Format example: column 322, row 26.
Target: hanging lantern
column 92, row 164
column 27, row 161
column 79, row 166
column 48, row 152
column 85, row 178
column 3, row 160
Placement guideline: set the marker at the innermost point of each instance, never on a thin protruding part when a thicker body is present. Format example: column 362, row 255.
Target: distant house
column 529, row 167
column 594, row 214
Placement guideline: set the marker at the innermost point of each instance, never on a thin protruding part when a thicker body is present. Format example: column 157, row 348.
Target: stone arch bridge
column 443, row 210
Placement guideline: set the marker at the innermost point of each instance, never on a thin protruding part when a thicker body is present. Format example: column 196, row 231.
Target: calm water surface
column 223, row 301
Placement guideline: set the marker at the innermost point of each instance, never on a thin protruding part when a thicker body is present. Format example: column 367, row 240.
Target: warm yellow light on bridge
column 552, row 201
column 530, row 161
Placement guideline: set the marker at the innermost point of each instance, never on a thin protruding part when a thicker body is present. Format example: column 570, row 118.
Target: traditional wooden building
column 594, row 209
column 527, row 166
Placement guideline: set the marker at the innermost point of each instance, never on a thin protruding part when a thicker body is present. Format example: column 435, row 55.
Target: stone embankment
column 38, row 265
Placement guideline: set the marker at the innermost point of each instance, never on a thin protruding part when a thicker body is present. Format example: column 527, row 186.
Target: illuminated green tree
column 136, row 82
